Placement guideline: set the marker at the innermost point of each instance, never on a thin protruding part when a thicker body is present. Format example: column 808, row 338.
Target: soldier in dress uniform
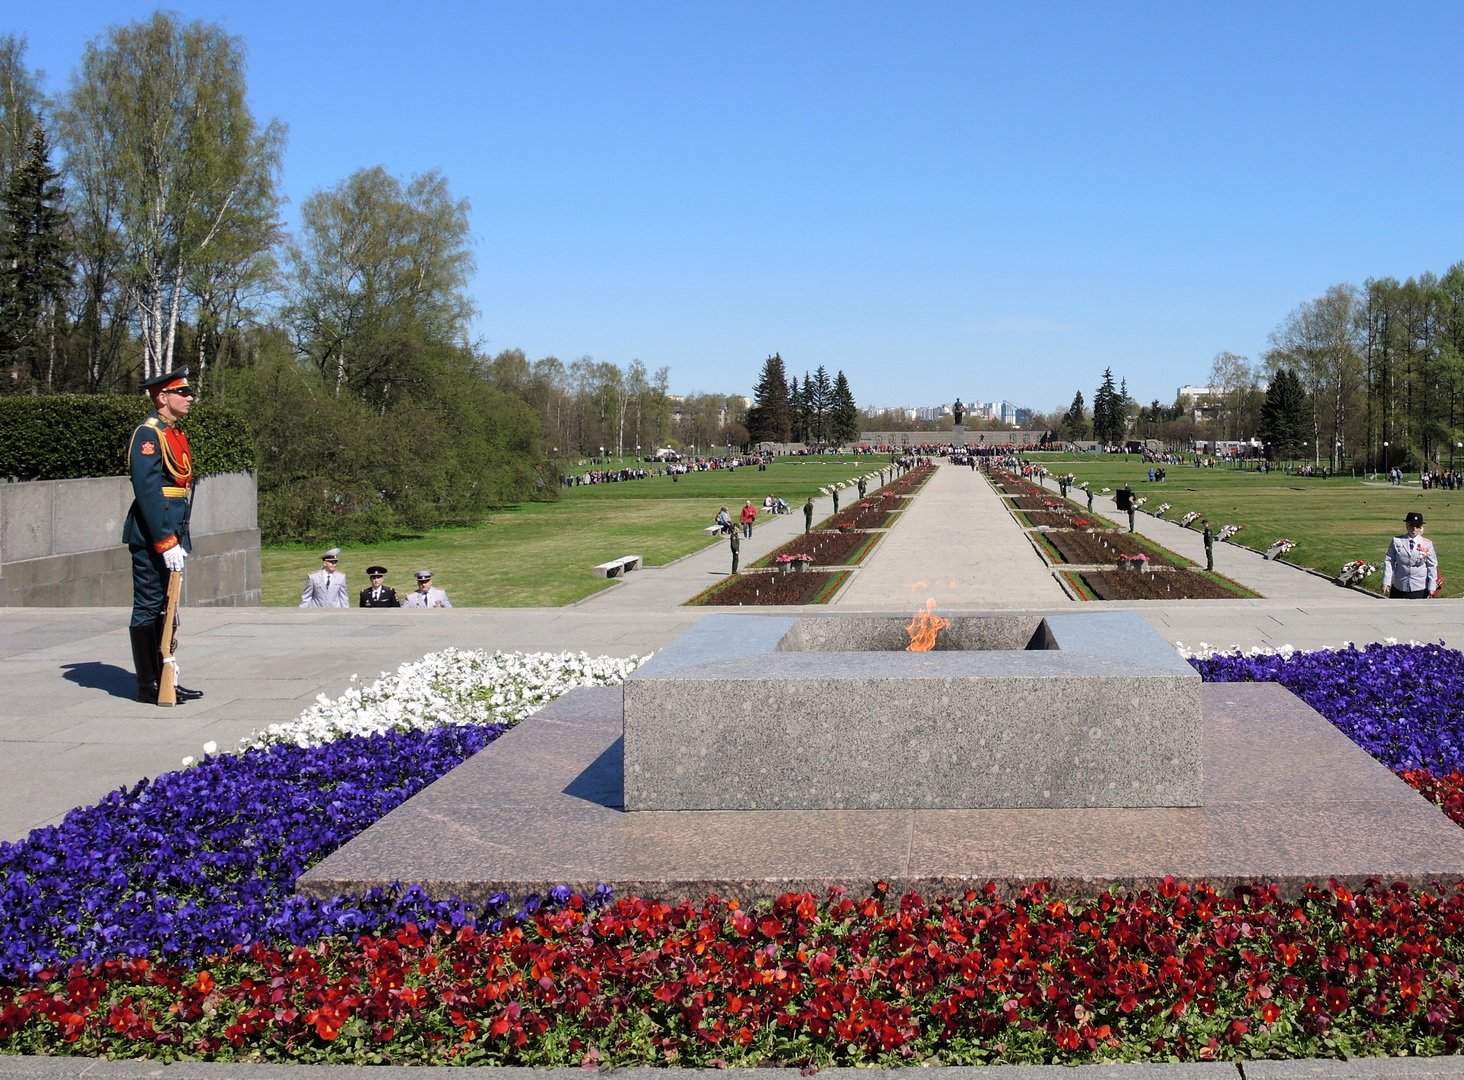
column 1411, row 570
column 426, row 595
column 327, row 586
column 156, row 530
column 378, row 593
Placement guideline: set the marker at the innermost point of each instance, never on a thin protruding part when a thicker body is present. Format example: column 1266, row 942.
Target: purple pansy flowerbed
column 1403, row 704
column 205, row 858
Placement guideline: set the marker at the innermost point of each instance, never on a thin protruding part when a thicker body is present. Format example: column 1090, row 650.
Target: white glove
column 173, row 558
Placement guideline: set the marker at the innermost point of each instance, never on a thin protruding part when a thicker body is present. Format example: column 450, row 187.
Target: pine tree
column 1075, row 420
column 797, row 419
column 1286, row 416
column 34, row 268
column 820, row 397
column 843, row 413
column 770, row 418
column 1108, row 426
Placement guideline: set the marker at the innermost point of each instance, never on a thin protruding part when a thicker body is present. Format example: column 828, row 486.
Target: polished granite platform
column 1286, row 798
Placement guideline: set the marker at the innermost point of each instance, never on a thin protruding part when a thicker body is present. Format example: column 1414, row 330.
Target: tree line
column 1363, row 378
column 820, row 411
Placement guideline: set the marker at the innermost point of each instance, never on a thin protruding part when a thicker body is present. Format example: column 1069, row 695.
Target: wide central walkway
column 957, row 543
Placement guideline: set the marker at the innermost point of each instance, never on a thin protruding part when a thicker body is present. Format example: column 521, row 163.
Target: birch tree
column 156, row 128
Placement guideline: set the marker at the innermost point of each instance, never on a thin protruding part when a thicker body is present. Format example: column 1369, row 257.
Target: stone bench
column 615, row 567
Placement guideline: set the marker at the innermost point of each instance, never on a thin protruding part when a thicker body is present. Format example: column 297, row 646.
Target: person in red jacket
column 156, row 530
column 749, row 515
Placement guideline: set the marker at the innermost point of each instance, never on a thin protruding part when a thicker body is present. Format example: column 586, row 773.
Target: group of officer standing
column 327, row 588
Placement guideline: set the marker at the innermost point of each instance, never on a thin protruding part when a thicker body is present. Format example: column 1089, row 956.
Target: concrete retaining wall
column 61, row 546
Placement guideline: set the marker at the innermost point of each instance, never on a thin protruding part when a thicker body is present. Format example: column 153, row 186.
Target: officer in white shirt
column 1411, row 570
column 426, row 595
column 327, row 586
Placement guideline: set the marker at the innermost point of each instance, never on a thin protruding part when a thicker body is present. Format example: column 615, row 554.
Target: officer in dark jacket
column 156, row 530
column 378, row 593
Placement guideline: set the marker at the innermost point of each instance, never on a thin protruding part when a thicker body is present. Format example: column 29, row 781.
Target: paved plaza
column 70, row 731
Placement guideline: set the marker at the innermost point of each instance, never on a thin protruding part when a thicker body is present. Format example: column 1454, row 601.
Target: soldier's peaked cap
column 172, row 380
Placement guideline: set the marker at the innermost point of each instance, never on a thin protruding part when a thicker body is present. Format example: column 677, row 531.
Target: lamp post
column 1385, row 458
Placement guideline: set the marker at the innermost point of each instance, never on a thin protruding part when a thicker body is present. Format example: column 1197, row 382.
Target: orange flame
column 924, row 627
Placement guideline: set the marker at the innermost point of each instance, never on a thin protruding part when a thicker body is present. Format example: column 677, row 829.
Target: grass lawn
column 1333, row 521
column 540, row 554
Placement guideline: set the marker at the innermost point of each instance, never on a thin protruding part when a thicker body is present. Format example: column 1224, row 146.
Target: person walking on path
column 1124, row 500
column 736, row 542
column 327, row 586
column 749, row 515
column 808, row 516
column 1411, row 569
column 156, row 531
column 1209, row 547
column 835, row 493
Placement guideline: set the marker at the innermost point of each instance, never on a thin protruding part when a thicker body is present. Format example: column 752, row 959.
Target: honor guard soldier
column 1411, row 570
column 156, row 531
column 327, row 586
column 378, row 593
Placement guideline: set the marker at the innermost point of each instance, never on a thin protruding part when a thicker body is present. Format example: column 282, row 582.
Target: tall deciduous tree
column 20, row 102
column 34, row 265
column 1234, row 382
column 770, row 419
column 157, row 115
column 378, row 261
column 1322, row 341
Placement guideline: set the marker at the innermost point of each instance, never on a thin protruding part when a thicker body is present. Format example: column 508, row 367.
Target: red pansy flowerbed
column 828, row 548
column 910, row 482
column 1042, row 503
column 1095, row 548
column 1181, row 972
column 762, row 588
column 865, row 514
column 1058, row 519
column 1164, row 585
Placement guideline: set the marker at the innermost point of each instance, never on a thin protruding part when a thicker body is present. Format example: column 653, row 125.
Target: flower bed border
column 826, row 592
column 856, row 555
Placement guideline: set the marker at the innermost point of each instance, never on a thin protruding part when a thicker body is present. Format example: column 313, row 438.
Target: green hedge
column 69, row 436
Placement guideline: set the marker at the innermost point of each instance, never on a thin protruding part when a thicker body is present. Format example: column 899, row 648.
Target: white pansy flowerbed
column 1206, row 650
column 455, row 686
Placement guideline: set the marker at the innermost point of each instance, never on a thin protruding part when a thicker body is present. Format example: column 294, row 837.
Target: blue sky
column 990, row 200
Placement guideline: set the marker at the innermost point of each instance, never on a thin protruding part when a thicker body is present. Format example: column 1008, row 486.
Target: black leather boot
column 146, row 661
column 181, row 693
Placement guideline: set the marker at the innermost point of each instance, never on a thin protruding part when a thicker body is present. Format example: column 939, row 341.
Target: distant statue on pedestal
column 960, row 411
